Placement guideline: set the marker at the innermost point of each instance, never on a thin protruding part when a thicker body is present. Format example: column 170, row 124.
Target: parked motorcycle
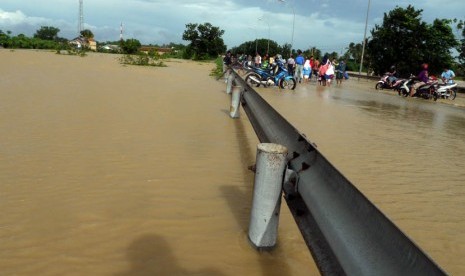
column 384, row 83
column 404, row 88
column 277, row 75
column 426, row 91
column 446, row 91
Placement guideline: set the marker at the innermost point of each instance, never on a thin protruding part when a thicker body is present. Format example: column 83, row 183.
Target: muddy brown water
column 108, row 169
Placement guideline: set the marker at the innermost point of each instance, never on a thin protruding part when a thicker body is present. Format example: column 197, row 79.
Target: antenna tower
column 81, row 17
column 121, row 31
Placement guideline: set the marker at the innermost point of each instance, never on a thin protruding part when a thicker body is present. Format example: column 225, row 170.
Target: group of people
column 423, row 77
column 303, row 68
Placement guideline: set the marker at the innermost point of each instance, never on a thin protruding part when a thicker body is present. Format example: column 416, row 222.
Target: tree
column 130, row 46
column 261, row 46
column 87, row 33
column 4, row 39
column 461, row 45
column 286, row 50
column 47, row 33
column 441, row 41
column 313, row 51
column 405, row 41
column 205, row 41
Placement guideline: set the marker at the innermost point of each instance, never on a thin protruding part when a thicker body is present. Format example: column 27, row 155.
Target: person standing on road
column 340, row 71
column 265, row 62
column 307, row 72
column 227, row 61
column 329, row 74
column 290, row 65
column 322, row 71
column 258, row 60
column 299, row 65
column 312, row 63
column 315, row 67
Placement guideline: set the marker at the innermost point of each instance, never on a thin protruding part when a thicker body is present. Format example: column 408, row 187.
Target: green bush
column 141, row 60
column 218, row 70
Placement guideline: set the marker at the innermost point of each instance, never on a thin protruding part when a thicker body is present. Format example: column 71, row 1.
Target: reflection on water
column 150, row 255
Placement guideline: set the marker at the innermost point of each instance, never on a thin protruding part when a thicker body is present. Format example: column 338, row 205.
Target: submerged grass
column 141, row 60
column 218, row 70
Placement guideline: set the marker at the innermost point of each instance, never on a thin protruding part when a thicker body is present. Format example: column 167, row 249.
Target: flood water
column 406, row 155
column 117, row 170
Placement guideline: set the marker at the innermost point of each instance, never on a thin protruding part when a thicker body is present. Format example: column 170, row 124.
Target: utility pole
column 81, row 17
column 121, row 32
column 268, row 23
column 364, row 41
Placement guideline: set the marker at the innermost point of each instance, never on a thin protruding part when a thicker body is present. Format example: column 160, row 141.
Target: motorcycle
column 405, row 86
column 426, row 91
column 277, row 75
column 384, row 83
column 446, row 91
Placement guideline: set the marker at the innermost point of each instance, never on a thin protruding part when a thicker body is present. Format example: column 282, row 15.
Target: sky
column 329, row 25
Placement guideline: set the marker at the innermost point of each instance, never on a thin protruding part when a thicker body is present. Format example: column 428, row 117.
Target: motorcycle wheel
column 253, row 80
column 431, row 93
column 269, row 82
column 453, row 94
column 435, row 96
column 404, row 92
column 379, row 86
column 287, row 84
column 426, row 95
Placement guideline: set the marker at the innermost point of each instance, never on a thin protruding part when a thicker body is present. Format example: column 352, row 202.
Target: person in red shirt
column 312, row 64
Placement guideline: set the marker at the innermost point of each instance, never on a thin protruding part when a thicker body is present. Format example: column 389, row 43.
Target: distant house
column 111, row 48
column 92, row 44
column 83, row 42
column 160, row 51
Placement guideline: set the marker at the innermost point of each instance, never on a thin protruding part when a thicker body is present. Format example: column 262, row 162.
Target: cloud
column 14, row 18
column 326, row 24
column 20, row 23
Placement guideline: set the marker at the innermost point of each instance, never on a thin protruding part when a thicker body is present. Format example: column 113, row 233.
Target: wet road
column 405, row 154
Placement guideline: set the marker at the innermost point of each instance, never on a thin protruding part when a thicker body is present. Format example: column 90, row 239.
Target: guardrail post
column 235, row 102
column 270, row 166
column 229, row 81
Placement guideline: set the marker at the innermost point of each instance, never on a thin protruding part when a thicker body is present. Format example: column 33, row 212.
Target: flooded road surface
column 406, row 155
column 119, row 170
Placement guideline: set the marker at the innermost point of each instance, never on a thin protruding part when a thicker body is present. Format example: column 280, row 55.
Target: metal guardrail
column 345, row 232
